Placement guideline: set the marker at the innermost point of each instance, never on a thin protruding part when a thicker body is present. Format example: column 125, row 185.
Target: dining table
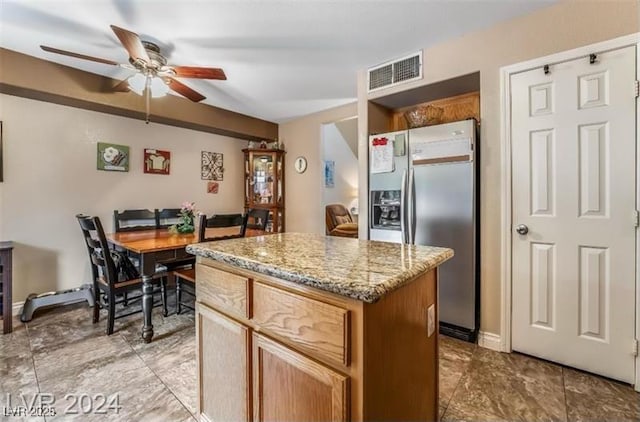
column 161, row 246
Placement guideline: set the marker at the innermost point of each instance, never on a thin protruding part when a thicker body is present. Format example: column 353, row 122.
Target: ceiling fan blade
column 77, row 55
column 131, row 42
column 200, row 72
column 122, row 86
column 185, row 91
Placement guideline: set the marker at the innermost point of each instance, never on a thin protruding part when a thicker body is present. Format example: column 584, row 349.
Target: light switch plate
column 431, row 320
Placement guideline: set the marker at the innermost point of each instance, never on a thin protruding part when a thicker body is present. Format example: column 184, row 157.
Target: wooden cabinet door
column 224, row 374
column 288, row 386
column 263, row 184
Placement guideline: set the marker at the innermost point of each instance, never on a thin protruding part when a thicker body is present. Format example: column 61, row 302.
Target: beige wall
column 302, row 137
column 349, row 131
column 50, row 175
column 566, row 25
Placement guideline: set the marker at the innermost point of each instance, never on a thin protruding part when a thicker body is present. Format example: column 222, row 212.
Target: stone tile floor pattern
column 61, row 352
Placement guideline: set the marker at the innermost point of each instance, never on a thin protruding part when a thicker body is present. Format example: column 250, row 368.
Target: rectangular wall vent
column 388, row 74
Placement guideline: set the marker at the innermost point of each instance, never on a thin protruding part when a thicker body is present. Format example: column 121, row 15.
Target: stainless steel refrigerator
column 423, row 191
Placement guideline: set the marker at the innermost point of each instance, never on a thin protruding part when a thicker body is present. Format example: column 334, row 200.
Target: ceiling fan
column 154, row 76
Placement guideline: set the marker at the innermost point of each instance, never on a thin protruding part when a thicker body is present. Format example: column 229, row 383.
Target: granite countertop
column 359, row 269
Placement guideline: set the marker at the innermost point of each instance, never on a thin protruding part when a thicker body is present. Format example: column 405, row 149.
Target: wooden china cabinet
column 264, row 184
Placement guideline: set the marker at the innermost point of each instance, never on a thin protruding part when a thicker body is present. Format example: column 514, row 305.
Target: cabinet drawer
column 314, row 326
column 223, row 290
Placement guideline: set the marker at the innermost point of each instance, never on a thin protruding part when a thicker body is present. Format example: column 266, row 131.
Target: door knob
column 522, row 229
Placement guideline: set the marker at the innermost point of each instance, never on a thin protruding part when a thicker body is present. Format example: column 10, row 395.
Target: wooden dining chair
column 257, row 219
column 167, row 217
column 130, row 221
column 109, row 280
column 134, row 220
column 185, row 283
column 186, row 277
column 219, row 221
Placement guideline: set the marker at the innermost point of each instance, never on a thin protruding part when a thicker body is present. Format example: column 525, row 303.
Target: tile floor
column 61, row 352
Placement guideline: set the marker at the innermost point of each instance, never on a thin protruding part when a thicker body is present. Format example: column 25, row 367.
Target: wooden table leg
column 147, row 308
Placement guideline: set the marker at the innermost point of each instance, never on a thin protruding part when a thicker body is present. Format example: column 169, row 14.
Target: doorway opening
column 340, row 165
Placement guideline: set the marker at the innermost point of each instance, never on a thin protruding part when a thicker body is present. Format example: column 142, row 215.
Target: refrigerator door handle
column 412, row 208
column 403, row 207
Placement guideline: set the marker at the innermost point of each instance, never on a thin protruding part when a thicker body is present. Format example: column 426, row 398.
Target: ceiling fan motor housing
column 158, row 61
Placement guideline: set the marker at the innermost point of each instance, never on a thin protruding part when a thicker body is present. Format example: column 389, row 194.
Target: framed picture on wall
column 113, row 157
column 329, row 173
column 211, row 166
column 212, row 187
column 156, row 161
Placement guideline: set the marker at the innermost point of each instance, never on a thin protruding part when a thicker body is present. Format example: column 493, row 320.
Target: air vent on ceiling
column 395, row 72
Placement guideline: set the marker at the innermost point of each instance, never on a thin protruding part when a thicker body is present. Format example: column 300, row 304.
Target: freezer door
column 391, row 180
column 386, row 190
column 444, row 216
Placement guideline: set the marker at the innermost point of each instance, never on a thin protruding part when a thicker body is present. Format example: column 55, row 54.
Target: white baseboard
column 490, row 341
column 17, row 307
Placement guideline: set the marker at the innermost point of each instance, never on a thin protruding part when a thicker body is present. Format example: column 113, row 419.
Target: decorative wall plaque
column 156, row 161
column 113, row 157
column 211, row 166
column 212, row 187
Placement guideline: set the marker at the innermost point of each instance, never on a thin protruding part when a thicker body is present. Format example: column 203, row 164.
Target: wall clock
column 300, row 164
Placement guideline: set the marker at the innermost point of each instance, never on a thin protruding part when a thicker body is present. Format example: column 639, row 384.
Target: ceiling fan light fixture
column 137, row 83
column 159, row 88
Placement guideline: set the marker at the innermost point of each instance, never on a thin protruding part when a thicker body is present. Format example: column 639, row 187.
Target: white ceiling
column 283, row 59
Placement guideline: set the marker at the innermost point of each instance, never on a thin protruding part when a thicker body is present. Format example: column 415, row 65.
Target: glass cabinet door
column 280, row 174
column 264, row 184
column 262, row 179
column 247, row 181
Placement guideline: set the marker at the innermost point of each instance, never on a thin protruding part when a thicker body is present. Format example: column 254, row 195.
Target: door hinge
column 637, row 88
column 635, row 348
column 636, row 218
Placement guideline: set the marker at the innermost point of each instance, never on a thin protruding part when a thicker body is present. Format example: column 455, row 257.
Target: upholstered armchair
column 339, row 221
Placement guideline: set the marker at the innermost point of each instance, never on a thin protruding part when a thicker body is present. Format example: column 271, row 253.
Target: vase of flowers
column 187, row 217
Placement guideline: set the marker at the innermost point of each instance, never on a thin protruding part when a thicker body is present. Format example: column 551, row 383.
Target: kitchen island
column 303, row 327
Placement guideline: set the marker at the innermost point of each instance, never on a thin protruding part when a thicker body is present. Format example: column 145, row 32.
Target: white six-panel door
column 573, row 187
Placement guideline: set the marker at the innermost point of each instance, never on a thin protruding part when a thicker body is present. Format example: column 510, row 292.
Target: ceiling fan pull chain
column 147, row 95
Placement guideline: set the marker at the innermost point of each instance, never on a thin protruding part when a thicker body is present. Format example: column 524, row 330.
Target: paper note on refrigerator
column 382, row 158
